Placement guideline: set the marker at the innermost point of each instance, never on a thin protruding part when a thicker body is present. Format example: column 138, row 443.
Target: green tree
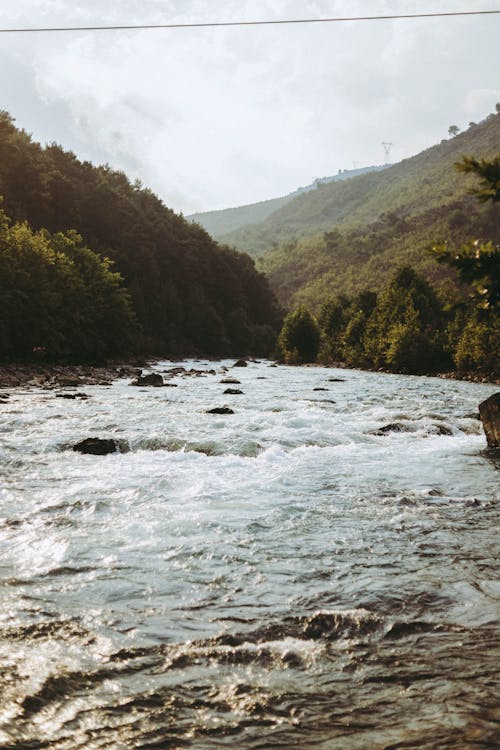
column 488, row 172
column 478, row 263
column 404, row 332
column 300, row 337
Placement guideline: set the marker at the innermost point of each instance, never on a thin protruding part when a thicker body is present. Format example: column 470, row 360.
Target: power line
column 219, row 24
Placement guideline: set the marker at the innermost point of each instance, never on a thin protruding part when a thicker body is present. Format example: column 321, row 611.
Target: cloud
column 216, row 117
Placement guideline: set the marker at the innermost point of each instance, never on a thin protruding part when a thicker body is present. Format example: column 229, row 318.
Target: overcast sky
column 211, row 118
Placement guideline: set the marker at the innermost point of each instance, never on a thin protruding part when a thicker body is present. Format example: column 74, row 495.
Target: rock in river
column 220, row 410
column 489, row 412
column 96, row 446
column 152, row 379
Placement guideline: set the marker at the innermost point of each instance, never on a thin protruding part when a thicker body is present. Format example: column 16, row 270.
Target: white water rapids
column 282, row 577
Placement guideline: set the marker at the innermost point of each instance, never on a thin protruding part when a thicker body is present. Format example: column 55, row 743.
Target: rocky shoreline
column 56, row 376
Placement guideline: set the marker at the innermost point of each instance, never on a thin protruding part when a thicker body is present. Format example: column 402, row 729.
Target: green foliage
column 426, row 182
column 488, row 170
column 404, row 332
column 300, row 337
column 60, row 298
column 478, row 264
column 190, row 295
column 478, row 347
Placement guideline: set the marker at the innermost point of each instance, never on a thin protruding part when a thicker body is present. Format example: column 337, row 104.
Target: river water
column 280, row 577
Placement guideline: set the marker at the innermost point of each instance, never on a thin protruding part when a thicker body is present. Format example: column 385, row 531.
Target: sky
column 217, row 117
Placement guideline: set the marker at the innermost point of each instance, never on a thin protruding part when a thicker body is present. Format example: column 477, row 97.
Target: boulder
column 489, row 411
column 230, row 381
column 240, row 363
column 96, row 446
column 388, row 428
column 220, row 410
column 233, row 392
column 153, row 379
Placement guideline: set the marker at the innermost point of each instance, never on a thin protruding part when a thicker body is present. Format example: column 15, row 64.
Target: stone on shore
column 489, row 412
column 96, row 446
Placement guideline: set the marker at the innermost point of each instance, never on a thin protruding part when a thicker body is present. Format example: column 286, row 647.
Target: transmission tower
column 387, row 149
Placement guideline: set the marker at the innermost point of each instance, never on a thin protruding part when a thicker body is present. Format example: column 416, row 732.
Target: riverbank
column 54, row 376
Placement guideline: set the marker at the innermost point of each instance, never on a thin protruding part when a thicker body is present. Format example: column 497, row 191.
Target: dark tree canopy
column 189, row 294
column 300, row 337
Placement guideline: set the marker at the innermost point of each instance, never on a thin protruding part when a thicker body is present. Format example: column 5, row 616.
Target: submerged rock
column 72, row 396
column 489, row 411
column 220, row 410
column 96, row 446
column 153, row 379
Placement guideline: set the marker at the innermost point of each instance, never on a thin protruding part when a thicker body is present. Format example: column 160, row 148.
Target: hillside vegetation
column 226, row 221
column 381, row 221
column 405, row 326
column 410, row 188
column 186, row 293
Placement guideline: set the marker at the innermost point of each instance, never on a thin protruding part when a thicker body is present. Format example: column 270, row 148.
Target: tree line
column 92, row 265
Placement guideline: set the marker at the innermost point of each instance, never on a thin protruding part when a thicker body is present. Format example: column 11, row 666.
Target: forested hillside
column 187, row 293
column 410, row 188
column 381, row 221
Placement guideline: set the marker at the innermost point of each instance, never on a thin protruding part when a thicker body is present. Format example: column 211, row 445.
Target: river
column 286, row 576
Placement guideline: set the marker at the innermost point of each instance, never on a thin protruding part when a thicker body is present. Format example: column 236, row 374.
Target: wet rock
column 230, row 381
column 240, row 363
column 388, row 428
column 320, row 389
column 489, row 412
column 441, row 429
column 220, row 410
column 336, row 380
column 233, row 392
column 72, row 396
column 67, row 381
column 96, row 446
column 153, row 380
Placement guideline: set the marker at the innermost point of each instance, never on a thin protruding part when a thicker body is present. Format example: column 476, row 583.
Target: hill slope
column 408, row 188
column 228, row 220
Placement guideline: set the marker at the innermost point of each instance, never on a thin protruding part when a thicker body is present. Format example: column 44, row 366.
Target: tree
column 453, row 130
column 478, row 263
column 300, row 337
column 488, row 172
column 404, row 331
